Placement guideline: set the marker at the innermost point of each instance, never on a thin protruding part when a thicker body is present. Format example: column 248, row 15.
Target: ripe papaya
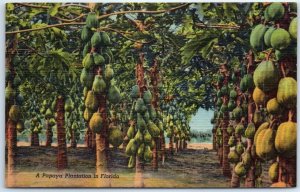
column 280, row 39
column 257, row 37
column 259, row 96
column 293, row 28
column 266, row 76
column 287, row 92
column 280, row 184
column 265, row 144
column 286, row 139
column 273, row 106
column 96, row 123
column 273, row 172
column 91, row 20
column 263, row 126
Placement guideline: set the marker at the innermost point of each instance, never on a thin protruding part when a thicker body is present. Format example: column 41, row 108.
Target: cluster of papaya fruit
column 97, row 75
column 144, row 127
column 272, row 86
column 275, row 87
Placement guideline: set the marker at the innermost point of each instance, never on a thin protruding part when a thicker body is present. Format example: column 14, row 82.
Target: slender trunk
column 62, row 161
column 181, row 144
column 101, row 145
column 35, row 139
column 139, row 173
column 176, row 146
column 171, row 146
column 220, row 153
column 93, row 141
column 155, row 155
column 49, row 134
column 163, row 147
column 11, row 148
column 226, row 148
column 73, row 139
column 235, row 179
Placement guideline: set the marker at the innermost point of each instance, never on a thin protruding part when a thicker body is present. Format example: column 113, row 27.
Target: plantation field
column 202, row 169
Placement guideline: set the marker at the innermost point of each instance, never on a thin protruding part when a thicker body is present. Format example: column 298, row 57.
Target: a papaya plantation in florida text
column 106, row 94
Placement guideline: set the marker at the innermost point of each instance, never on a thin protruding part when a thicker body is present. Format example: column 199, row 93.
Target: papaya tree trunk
column 155, row 155
column 11, row 151
column 176, row 146
column 250, row 176
column 73, row 139
column 171, row 145
column 49, row 134
column 62, row 161
column 35, row 139
column 101, row 144
column 163, row 147
column 226, row 148
column 235, row 179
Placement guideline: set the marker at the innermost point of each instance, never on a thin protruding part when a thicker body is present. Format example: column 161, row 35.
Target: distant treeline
column 201, row 136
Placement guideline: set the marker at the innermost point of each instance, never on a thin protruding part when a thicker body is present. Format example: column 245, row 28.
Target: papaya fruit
column 231, row 141
column 114, row 95
column 140, row 105
column 267, row 36
column 138, row 137
column 280, row 39
column 266, row 76
column 224, row 108
column 14, row 113
column 109, row 72
column 9, row 92
column 240, row 169
column 91, row 101
column 140, row 122
column 147, row 138
column 86, row 49
column 130, row 132
column 273, row 106
column 105, row 39
column 153, row 129
column 230, row 129
column 69, row 105
column 250, row 131
column 88, row 61
column 263, row 126
column 239, row 129
column 246, row 159
column 233, row 94
column 274, row 12
column 134, row 92
column 91, row 20
column 147, row 154
column 115, row 137
column 287, row 92
column 131, row 163
column 273, row 172
column 259, row 97
column 48, row 113
column 131, row 148
column 96, row 40
column 19, row 99
column 265, row 144
column 293, row 28
column 20, row 126
column 233, row 157
column 98, row 59
column 239, row 148
column 246, row 83
column 258, row 117
column 86, row 34
column 286, row 139
column 153, row 113
column 99, row 85
column 237, row 113
column 257, row 37
column 96, row 123
column 231, row 105
column 141, row 150
column 147, row 96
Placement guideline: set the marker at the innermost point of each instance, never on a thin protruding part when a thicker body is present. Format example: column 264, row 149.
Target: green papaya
column 141, row 124
column 257, row 37
column 88, row 61
column 9, row 92
column 231, row 105
column 274, row 12
column 246, row 159
column 91, row 101
column 20, row 126
column 131, row 163
column 48, row 113
column 130, row 132
column 233, row 157
column 240, row 169
column 91, row 20
column 105, row 39
column 115, row 137
column 99, row 85
column 138, row 137
column 267, row 36
column 239, row 148
column 69, row 105
column 147, row 154
column 96, row 40
column 131, row 148
column 98, row 59
column 293, row 28
column 140, row 105
column 231, row 141
column 153, row 113
column 233, row 94
column 280, row 39
column 87, row 48
column 250, row 131
column 239, row 129
column 147, row 96
column 134, row 92
column 246, row 83
column 108, row 73
column 86, row 34
column 266, row 76
column 114, row 95
column 153, row 129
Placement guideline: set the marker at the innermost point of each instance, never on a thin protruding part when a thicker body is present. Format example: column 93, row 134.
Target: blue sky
column 201, row 121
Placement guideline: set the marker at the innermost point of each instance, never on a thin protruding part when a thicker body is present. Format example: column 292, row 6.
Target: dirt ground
column 190, row 168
